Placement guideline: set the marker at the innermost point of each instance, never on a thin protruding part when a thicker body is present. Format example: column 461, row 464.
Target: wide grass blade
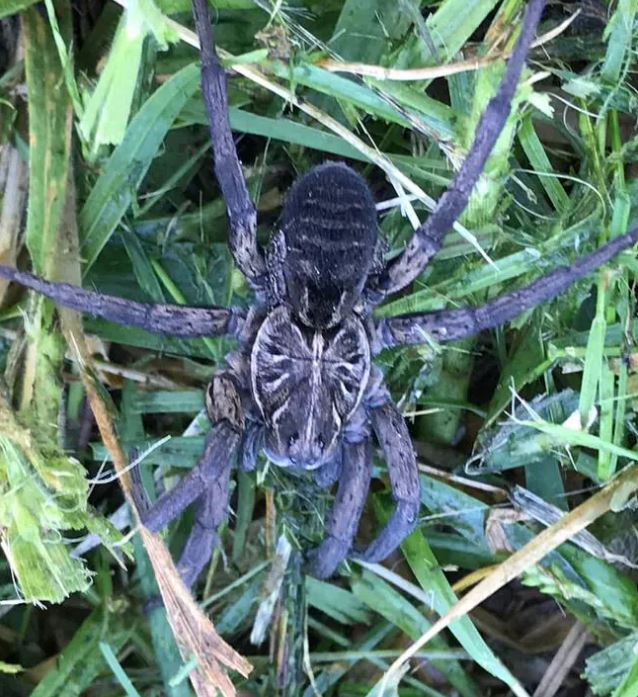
column 112, row 193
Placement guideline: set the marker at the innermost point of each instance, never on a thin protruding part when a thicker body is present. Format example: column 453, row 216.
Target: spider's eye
column 293, row 439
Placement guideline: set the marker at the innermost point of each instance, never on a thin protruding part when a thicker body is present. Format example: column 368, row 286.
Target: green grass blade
column 539, row 161
column 432, row 580
column 381, row 597
column 619, row 34
column 114, row 190
column 82, row 661
column 10, row 7
column 118, row 671
column 49, row 142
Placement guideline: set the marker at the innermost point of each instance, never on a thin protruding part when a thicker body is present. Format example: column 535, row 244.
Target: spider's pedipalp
column 250, row 446
column 173, row 320
column 343, row 520
column 428, row 238
column 329, row 222
column 451, row 325
column 242, row 216
column 326, row 475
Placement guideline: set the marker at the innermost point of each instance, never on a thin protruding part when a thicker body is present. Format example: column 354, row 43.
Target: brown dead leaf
column 193, row 630
column 610, row 498
column 495, row 533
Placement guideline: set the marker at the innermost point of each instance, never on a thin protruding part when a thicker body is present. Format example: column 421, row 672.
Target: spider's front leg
column 396, row 445
column 211, row 512
column 242, row 217
column 207, row 483
column 346, row 512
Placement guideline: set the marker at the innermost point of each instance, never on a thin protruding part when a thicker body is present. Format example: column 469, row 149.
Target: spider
column 301, row 386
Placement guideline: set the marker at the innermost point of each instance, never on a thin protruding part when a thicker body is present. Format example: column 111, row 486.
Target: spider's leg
column 450, row 325
column 212, row 508
column 175, row 320
column 326, row 475
column 242, row 217
column 394, row 439
column 211, row 512
column 344, row 517
column 428, row 238
column 250, row 446
column 210, row 475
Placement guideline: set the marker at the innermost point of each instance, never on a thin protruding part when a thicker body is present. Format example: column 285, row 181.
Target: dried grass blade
column 611, row 497
column 194, row 632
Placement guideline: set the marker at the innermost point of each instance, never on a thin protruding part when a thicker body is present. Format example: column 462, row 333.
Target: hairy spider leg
column 343, row 520
column 450, row 325
column 427, row 239
column 396, row 445
column 242, row 217
column 209, row 474
column 175, row 320
column 208, row 486
column 211, row 512
column 208, row 483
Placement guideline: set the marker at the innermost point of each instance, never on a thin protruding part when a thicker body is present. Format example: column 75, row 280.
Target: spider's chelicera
column 301, row 385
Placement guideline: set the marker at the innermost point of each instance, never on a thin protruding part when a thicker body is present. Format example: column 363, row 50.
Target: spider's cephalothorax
column 307, row 383
column 301, row 385
column 329, row 224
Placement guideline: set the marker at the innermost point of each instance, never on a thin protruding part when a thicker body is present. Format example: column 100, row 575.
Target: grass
column 106, row 152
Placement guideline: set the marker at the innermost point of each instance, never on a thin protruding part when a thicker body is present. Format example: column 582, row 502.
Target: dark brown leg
column 208, row 475
column 212, row 510
column 207, row 483
column 174, row 320
column 394, row 439
column 428, row 238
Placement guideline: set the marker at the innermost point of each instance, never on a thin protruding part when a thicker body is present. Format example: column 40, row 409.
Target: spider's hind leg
column 458, row 323
column 242, row 217
column 427, row 239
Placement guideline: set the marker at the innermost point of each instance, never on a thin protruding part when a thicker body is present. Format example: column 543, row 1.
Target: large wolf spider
column 301, row 386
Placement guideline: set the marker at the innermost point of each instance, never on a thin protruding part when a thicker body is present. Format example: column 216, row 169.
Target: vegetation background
column 106, row 179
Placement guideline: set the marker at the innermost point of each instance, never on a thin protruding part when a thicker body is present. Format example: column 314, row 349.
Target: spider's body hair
column 310, row 358
column 307, row 383
column 329, row 223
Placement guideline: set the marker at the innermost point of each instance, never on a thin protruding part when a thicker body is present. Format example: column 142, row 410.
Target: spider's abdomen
column 329, row 223
column 307, row 384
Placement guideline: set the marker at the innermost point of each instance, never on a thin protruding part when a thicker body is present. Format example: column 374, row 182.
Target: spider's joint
column 236, row 322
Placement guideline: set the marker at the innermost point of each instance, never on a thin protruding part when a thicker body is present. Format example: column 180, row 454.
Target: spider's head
column 307, row 384
column 329, row 223
column 302, row 436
